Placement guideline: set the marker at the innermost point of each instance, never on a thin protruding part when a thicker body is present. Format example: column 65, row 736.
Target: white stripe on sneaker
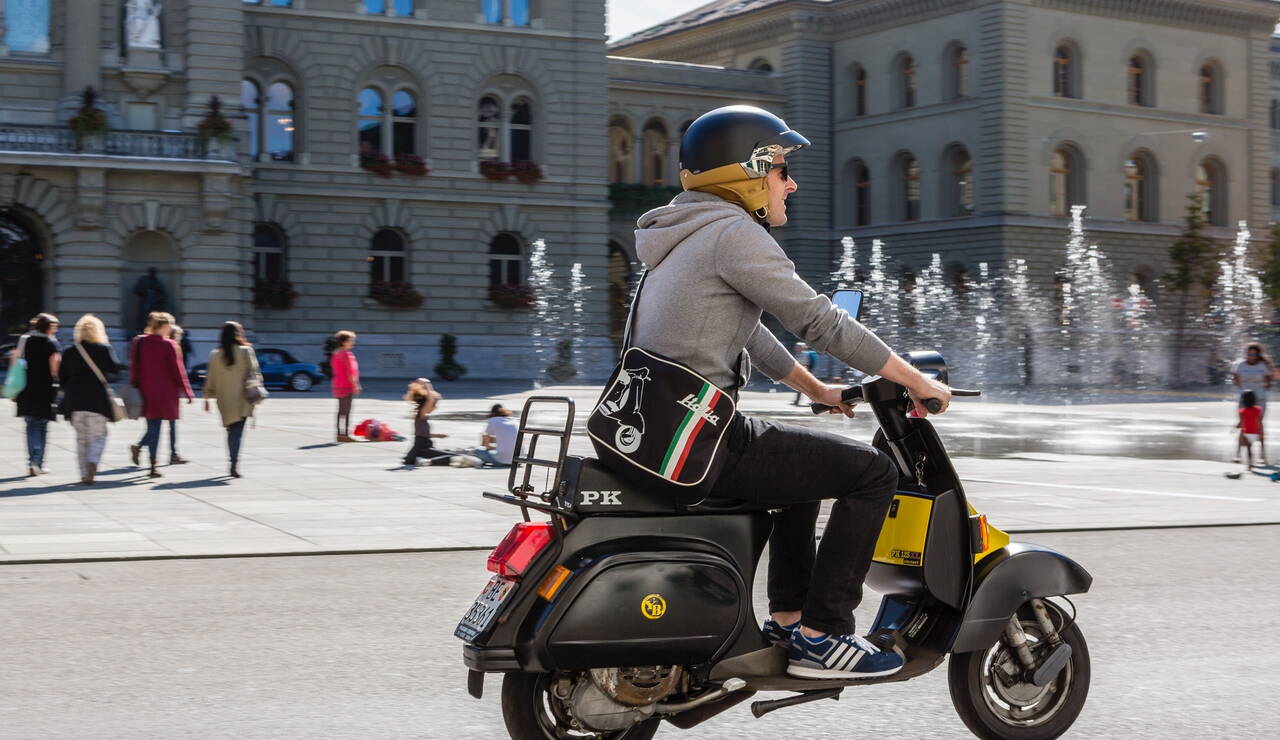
column 852, row 661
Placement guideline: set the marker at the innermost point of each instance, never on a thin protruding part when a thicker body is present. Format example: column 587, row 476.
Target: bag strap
column 92, row 365
column 631, row 323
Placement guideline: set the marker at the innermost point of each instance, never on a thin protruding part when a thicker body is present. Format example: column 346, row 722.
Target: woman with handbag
column 39, row 349
column 87, row 400
column 234, row 381
column 155, row 369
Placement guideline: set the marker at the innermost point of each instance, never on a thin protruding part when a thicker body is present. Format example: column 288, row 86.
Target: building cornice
column 1235, row 15
column 170, row 166
column 1004, row 220
column 1155, row 115
column 697, row 91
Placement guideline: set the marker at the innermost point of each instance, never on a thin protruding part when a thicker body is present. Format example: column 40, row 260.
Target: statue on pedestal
column 151, row 297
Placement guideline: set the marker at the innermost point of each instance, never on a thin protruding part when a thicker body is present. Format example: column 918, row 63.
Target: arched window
column 959, row 195
column 958, row 72
column 1064, row 72
column 507, row 12
column 268, row 253
column 1066, row 180
column 404, row 122
column 1211, row 182
column 907, row 74
column 506, row 260
column 387, row 130
column 761, row 65
column 1141, row 82
column 1210, row 88
column 1139, row 187
column 505, row 123
column 22, row 278
column 655, row 153
column 369, row 125
column 387, row 257
column 859, row 91
column 861, row 194
column 26, row 25
column 250, row 100
column 279, row 122
column 908, row 187
column 622, row 155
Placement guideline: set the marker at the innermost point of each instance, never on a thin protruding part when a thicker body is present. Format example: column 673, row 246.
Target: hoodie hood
column 661, row 229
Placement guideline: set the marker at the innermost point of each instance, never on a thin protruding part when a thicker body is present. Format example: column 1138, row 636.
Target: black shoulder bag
column 659, row 422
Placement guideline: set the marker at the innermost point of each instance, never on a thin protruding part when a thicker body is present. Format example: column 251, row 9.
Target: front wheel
column 532, row 711
column 300, row 382
column 997, row 703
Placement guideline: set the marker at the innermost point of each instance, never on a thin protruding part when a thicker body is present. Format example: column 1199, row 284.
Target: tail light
column 979, row 533
column 522, row 544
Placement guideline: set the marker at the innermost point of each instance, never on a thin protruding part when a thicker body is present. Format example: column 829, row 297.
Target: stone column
column 806, row 71
column 83, row 59
column 672, row 175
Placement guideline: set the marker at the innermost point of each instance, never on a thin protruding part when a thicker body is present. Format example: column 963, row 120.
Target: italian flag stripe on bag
column 687, row 433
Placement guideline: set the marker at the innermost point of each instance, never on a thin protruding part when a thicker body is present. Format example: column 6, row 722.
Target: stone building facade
column 965, row 128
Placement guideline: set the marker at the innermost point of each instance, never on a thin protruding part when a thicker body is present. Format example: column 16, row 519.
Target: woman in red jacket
column 346, row 381
column 155, row 369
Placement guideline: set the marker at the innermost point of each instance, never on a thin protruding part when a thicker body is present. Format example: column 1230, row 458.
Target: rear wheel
column 997, row 705
column 300, row 382
column 532, row 712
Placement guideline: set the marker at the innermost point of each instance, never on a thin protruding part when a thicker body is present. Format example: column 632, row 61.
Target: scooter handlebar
column 853, row 394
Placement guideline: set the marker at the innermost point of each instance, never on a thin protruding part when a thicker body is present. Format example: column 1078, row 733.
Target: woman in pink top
column 346, row 381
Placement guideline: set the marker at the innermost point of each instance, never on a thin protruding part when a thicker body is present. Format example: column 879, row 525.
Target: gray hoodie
column 712, row 271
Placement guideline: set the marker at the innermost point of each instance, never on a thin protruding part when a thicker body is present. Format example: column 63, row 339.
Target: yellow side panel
column 902, row 537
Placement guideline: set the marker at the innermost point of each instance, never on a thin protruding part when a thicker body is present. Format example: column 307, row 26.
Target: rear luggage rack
column 521, row 490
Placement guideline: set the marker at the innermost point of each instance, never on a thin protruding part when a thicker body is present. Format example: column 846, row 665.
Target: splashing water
column 541, row 280
column 846, row 270
column 1237, row 305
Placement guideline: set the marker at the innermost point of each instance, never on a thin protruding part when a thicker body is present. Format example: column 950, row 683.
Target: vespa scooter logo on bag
column 623, row 406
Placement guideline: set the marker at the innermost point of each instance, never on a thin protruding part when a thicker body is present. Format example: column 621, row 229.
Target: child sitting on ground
column 1250, row 426
column 424, row 399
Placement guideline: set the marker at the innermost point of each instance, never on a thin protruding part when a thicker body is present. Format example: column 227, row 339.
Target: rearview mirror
column 849, row 300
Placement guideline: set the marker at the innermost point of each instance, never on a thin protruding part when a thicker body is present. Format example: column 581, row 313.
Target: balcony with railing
column 150, row 144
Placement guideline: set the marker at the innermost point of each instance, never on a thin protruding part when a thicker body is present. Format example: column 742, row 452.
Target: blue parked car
column 279, row 368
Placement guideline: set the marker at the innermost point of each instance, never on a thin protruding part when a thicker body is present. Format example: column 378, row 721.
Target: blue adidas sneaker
column 777, row 634
column 839, row 656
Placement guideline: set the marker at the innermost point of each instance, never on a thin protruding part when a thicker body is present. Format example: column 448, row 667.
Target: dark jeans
column 173, row 437
column 792, row 469
column 422, row 446
column 37, row 434
column 151, row 440
column 235, row 433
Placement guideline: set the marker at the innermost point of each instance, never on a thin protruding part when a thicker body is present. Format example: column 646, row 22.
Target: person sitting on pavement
column 498, row 443
column 424, row 398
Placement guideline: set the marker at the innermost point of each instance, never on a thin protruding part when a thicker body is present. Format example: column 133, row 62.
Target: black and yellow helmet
column 728, row 151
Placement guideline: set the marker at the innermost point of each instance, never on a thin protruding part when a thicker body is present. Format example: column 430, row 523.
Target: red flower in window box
column 526, row 171
column 493, row 169
column 395, row 294
column 411, row 165
column 376, row 162
column 511, row 296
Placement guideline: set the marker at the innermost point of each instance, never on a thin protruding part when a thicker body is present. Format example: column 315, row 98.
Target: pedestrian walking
column 232, row 365
column 1249, row 427
column 86, row 402
column 424, row 399
column 179, row 335
column 346, row 381
column 155, row 369
column 808, row 359
column 39, row 347
column 1254, row 372
column 498, row 442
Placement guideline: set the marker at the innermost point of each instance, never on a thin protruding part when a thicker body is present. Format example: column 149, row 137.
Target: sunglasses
column 781, row 169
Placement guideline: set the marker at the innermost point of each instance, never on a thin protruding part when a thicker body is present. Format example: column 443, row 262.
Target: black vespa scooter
column 620, row 611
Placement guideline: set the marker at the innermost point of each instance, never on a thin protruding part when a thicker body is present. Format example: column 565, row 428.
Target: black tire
column 300, row 382
column 529, row 715
column 981, row 705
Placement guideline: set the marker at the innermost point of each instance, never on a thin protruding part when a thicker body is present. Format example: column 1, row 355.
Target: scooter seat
column 588, row 487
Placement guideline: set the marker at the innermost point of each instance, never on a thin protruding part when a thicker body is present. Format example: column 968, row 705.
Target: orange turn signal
column 552, row 582
column 984, row 534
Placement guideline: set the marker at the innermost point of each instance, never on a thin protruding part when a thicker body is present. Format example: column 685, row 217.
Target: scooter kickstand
column 761, row 708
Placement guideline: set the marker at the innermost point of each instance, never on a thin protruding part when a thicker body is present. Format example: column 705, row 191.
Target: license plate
column 485, row 608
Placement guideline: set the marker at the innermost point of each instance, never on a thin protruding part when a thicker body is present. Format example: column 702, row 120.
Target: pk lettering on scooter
column 603, row 498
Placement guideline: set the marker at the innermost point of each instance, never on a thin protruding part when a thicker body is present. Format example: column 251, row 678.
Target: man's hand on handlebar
column 925, row 389
column 830, row 396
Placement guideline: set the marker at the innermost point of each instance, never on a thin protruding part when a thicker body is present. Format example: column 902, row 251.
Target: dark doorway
column 21, row 273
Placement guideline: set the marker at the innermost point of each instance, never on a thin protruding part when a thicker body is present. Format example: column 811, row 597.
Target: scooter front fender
column 1005, row 580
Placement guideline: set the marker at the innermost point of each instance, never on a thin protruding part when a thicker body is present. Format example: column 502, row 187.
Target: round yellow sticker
column 653, row 606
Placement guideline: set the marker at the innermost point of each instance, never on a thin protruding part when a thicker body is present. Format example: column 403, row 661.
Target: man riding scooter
column 713, row 269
